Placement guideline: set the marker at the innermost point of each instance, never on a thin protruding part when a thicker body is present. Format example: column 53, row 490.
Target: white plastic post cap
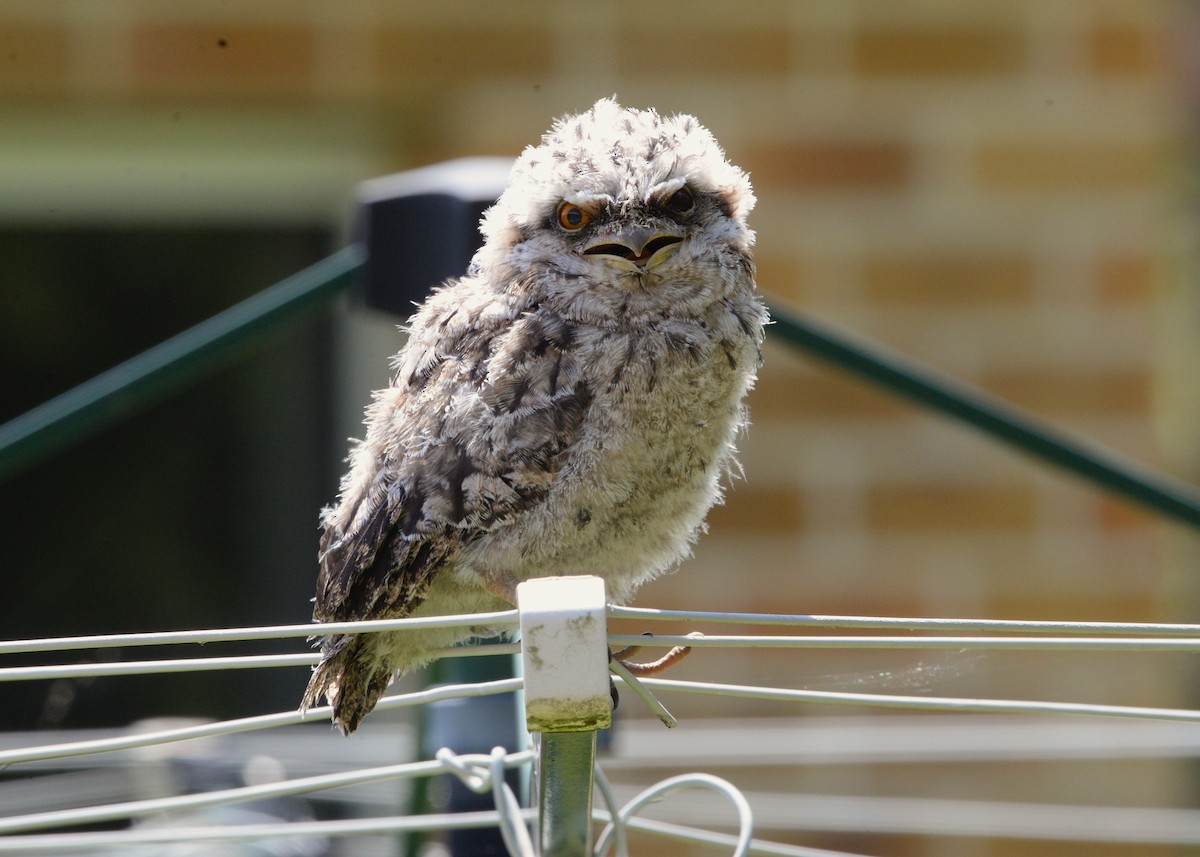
column 564, row 653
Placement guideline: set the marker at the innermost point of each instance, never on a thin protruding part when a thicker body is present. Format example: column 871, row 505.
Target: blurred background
column 1004, row 191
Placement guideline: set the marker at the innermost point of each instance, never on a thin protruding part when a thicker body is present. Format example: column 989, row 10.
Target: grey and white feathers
column 567, row 407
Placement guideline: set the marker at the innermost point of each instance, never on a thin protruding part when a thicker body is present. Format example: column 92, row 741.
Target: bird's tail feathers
column 350, row 682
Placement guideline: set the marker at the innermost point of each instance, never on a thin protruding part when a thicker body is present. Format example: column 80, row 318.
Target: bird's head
column 619, row 197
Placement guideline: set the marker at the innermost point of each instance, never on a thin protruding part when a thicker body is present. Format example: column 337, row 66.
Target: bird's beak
column 636, row 248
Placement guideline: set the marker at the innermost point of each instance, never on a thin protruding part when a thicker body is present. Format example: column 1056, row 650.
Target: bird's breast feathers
column 626, row 497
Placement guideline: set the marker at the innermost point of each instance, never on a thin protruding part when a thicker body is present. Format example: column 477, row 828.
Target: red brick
column 834, row 165
column 862, row 600
column 948, row 279
column 1063, row 167
column 33, row 59
column 1074, row 605
column 781, row 276
column 1125, row 278
column 212, row 60
column 1115, row 49
column 818, row 393
column 1120, row 516
column 456, row 53
column 1063, row 394
column 893, row 508
column 758, row 510
column 939, row 51
column 704, row 52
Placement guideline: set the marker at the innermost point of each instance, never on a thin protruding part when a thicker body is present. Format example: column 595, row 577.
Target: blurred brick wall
column 990, row 188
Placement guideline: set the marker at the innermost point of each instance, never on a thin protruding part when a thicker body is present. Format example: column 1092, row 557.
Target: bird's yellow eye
column 571, row 217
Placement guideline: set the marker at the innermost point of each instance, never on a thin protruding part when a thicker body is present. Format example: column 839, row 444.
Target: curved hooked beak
column 636, row 248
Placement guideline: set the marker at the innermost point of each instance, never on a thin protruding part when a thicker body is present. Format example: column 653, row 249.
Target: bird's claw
column 674, row 656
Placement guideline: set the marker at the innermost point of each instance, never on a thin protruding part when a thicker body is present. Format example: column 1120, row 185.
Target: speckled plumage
column 567, row 407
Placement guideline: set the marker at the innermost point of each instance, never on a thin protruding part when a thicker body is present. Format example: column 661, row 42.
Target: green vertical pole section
column 154, row 374
column 565, row 785
column 920, row 384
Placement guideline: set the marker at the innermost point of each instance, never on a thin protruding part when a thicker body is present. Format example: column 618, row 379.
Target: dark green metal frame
column 170, row 366
column 157, row 373
column 1002, row 421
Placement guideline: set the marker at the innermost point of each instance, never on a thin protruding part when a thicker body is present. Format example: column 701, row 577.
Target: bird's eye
column 681, row 202
column 571, row 217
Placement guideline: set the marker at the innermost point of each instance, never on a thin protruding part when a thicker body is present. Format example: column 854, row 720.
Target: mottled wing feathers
column 343, row 557
column 382, row 564
column 479, row 422
column 488, row 417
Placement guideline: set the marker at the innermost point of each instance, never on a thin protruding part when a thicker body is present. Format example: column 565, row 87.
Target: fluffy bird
column 569, row 406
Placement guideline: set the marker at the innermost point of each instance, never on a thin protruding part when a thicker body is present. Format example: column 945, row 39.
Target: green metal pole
column 156, row 373
column 920, row 384
column 565, row 770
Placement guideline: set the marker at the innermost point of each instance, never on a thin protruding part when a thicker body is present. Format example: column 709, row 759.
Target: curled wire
column 672, row 784
column 610, row 800
column 486, row 773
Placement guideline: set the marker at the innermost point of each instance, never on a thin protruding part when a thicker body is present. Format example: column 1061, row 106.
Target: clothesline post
column 564, row 654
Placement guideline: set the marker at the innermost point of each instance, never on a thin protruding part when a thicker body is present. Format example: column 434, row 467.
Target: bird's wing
column 484, row 418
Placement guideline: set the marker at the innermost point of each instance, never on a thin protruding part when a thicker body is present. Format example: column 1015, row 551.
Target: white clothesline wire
column 498, row 619
column 480, row 773
column 1099, row 824
column 247, row 724
column 696, row 640
column 1080, row 644
column 883, row 815
column 204, row 664
column 660, row 790
column 395, row 701
column 1153, row 637
column 303, row 785
column 76, row 843
column 509, row 618
column 1171, row 642
column 155, row 667
column 910, row 624
column 927, row 703
column 1090, row 636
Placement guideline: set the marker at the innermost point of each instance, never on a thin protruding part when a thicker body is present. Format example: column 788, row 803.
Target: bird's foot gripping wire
column 634, row 670
column 674, row 656
column 629, row 672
